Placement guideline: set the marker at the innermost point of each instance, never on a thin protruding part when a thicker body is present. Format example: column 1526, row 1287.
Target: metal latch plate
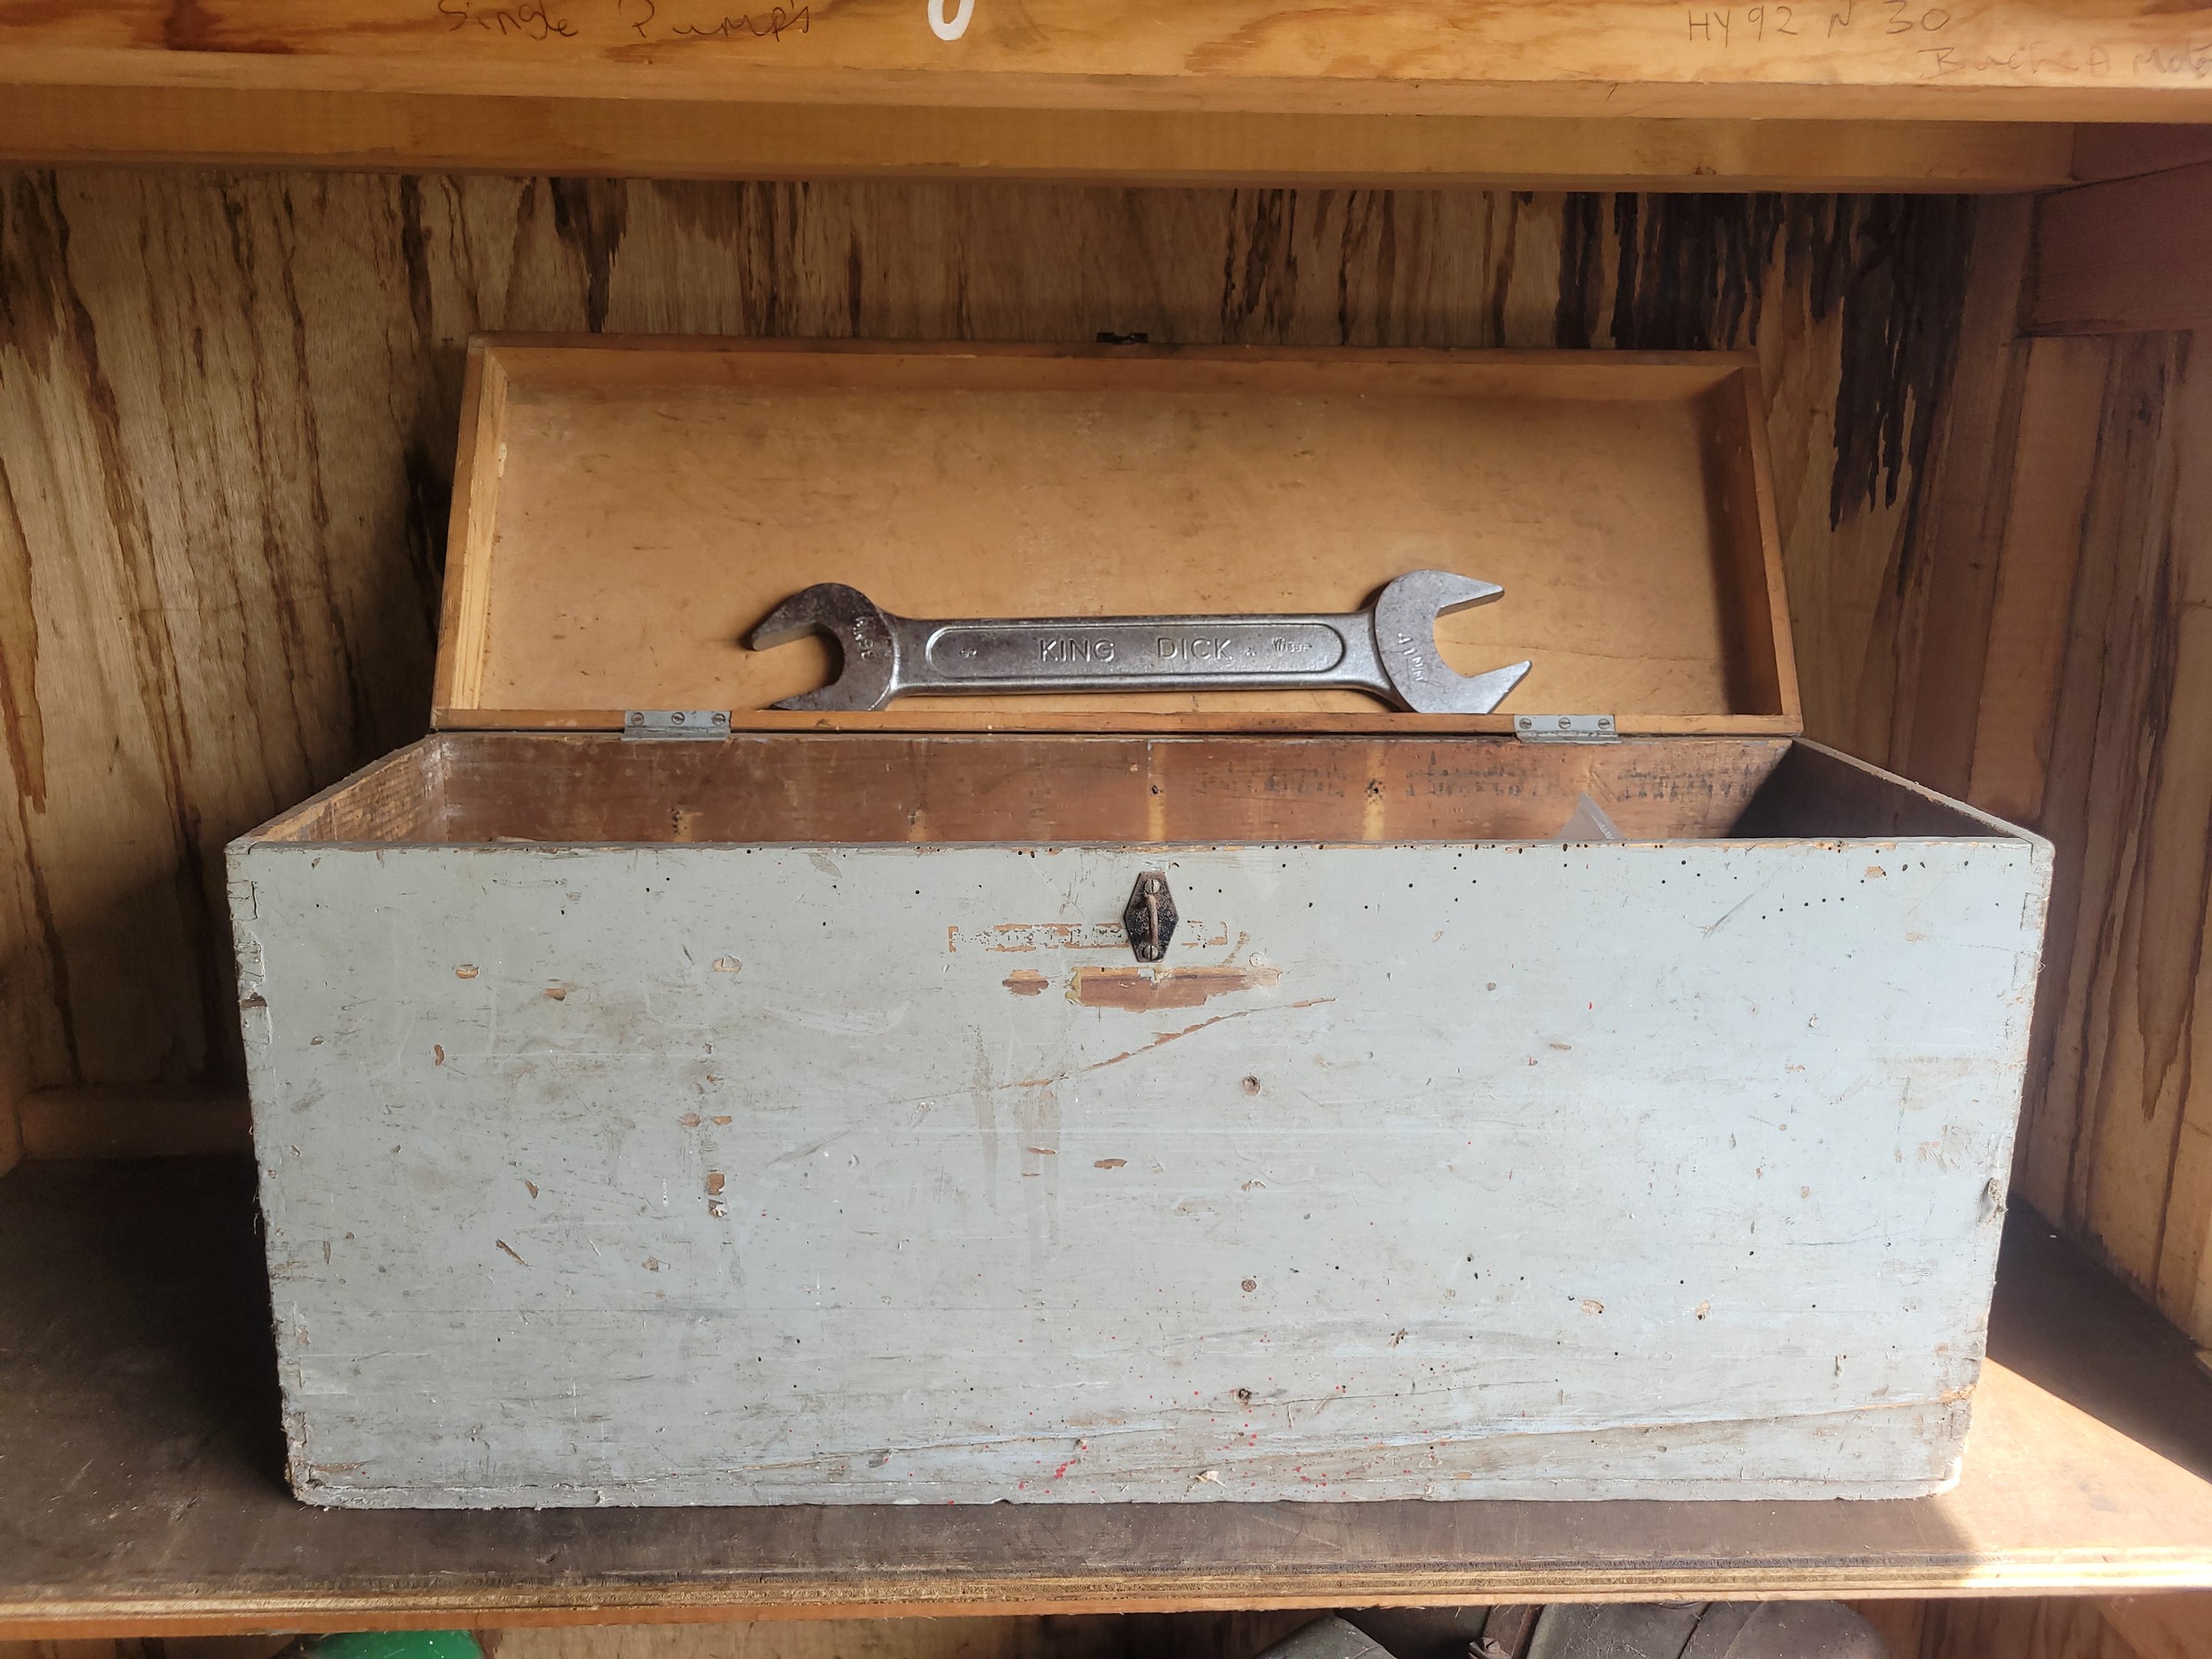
column 1149, row 916
column 676, row 725
column 1565, row 728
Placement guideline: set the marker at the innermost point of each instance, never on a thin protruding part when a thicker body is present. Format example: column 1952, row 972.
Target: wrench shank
column 1387, row 650
column 1138, row 654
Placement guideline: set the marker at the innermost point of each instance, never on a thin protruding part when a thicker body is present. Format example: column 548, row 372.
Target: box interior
column 475, row 788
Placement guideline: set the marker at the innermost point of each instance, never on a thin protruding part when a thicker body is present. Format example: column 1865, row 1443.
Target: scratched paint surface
column 732, row 1175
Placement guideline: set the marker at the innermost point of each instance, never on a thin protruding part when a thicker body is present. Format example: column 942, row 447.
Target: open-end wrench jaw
column 1405, row 614
column 867, row 645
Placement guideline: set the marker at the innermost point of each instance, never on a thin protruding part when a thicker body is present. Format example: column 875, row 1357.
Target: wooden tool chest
column 783, row 1116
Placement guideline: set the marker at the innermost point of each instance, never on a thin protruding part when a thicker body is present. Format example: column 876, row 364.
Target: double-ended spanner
column 1387, row 650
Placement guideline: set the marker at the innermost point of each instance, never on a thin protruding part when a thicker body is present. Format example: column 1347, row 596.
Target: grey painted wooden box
column 784, row 1118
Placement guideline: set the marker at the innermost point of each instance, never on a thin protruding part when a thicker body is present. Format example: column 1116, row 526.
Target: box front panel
column 724, row 1174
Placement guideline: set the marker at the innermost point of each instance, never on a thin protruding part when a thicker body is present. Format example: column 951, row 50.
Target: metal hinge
column 1565, row 728
column 675, row 725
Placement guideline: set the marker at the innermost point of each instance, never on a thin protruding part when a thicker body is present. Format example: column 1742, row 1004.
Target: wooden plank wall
column 227, row 414
column 2096, row 721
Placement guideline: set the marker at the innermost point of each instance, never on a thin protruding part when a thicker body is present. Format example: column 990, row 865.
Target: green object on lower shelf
column 396, row 1644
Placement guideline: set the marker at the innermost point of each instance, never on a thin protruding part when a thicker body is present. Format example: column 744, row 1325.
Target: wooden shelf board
column 141, row 1488
column 411, row 131
column 1542, row 95
column 1997, row 60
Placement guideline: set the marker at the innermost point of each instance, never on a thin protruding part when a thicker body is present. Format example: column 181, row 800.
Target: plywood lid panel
column 627, row 510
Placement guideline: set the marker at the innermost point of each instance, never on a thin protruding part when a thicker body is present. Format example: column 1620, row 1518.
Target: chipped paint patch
column 1025, row 982
column 1142, row 989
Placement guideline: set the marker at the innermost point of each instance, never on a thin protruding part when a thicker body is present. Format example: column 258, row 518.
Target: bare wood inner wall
column 482, row 787
column 227, row 412
column 2093, row 722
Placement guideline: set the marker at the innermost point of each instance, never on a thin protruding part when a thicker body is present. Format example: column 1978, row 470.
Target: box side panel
column 725, row 1175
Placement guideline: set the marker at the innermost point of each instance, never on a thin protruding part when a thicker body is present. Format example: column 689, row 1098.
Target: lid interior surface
column 631, row 514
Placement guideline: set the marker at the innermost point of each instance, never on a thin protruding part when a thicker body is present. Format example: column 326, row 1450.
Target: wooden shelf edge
column 2009, row 60
column 376, row 131
column 222, row 1616
column 967, row 1598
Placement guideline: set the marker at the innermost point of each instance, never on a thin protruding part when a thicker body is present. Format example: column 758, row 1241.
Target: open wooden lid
column 624, row 510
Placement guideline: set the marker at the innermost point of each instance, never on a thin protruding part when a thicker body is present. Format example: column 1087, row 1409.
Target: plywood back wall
column 2094, row 725
column 227, row 410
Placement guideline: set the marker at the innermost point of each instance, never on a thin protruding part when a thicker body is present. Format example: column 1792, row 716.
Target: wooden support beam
column 2127, row 257
column 692, row 139
column 2122, row 150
